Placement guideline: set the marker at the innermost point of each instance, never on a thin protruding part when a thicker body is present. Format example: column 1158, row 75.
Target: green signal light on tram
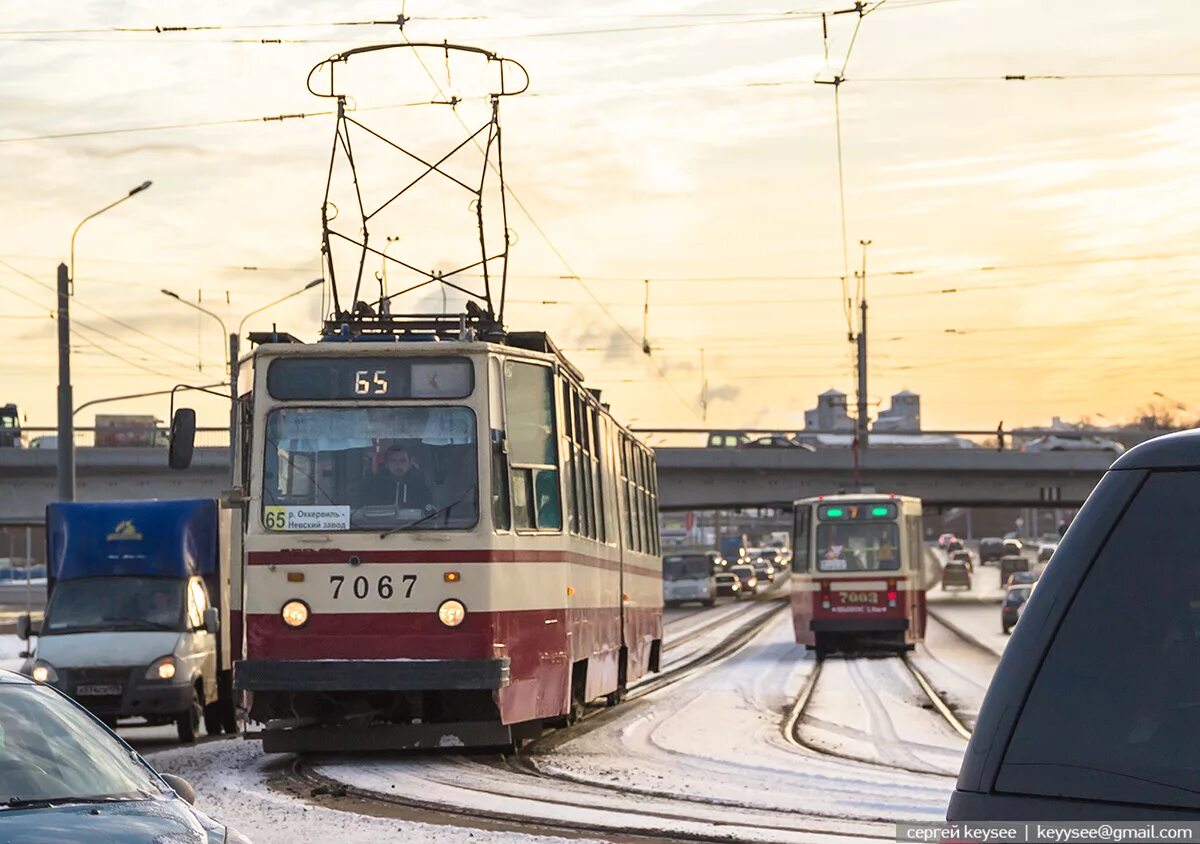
column 879, row 511
column 835, row 512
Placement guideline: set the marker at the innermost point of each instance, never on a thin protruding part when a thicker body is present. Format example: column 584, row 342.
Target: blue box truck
column 137, row 613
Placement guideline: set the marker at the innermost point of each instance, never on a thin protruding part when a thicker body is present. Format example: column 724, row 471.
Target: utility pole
column 646, row 320
column 66, row 421
column 861, row 423
column 703, row 389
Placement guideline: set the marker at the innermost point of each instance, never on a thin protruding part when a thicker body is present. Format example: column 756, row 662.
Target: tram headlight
column 451, row 613
column 295, row 613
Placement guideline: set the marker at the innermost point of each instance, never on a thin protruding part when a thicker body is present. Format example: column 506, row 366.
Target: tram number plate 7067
column 361, row 587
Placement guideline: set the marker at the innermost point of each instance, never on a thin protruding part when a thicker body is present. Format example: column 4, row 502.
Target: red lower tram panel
column 402, row 680
column 854, row 615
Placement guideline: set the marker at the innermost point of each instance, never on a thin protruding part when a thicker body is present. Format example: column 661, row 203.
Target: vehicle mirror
column 181, row 787
column 24, row 626
column 212, row 620
column 183, row 438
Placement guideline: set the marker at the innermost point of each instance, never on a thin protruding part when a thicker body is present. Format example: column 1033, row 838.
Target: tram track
column 605, row 806
column 793, row 723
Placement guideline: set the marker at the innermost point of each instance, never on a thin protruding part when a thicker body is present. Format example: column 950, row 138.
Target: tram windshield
column 370, row 468
column 858, row 546
column 686, row 566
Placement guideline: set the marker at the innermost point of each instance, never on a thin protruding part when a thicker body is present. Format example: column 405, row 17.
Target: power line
column 113, row 319
column 553, row 248
column 275, row 118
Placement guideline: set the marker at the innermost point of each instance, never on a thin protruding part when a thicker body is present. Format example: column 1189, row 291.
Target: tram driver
column 398, row 483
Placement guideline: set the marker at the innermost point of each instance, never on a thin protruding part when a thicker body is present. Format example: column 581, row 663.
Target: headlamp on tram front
column 295, row 613
column 451, row 612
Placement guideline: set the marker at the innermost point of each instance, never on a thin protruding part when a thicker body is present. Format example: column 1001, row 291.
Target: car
column 764, row 570
column 945, row 539
column 991, row 549
column 727, row 584
column 748, row 579
column 955, row 573
column 954, row 545
column 1021, row 578
column 1070, row 441
column 964, row 556
column 1046, row 551
column 1010, row 565
column 1010, row 608
column 1013, row 548
column 64, row 776
column 1092, row 712
column 778, row 441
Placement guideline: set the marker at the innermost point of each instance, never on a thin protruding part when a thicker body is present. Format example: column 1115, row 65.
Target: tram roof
column 849, row 497
column 537, row 343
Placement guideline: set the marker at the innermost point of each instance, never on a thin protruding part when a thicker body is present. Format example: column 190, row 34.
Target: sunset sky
column 680, row 142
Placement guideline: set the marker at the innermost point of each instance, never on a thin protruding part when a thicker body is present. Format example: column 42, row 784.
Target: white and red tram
column 444, row 543
column 859, row 573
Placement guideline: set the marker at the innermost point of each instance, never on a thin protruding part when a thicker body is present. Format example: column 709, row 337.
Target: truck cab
column 136, row 615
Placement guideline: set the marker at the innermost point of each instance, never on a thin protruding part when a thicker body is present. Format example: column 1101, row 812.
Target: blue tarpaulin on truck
column 171, row 538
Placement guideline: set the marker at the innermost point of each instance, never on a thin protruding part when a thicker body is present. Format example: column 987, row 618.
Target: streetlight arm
column 206, row 388
column 193, row 305
column 92, row 216
column 314, row 283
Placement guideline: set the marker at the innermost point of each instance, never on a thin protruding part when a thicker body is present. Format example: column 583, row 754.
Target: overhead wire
column 553, row 247
column 94, row 309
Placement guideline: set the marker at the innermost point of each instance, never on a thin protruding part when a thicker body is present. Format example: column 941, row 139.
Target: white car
column 1073, row 442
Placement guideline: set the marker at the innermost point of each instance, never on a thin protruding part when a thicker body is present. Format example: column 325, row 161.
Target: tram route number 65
column 362, row 586
column 376, row 386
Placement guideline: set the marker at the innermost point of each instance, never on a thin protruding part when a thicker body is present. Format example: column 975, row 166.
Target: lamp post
column 65, row 445
column 232, row 352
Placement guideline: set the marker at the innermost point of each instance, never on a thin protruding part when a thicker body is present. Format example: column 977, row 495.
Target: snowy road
column 704, row 758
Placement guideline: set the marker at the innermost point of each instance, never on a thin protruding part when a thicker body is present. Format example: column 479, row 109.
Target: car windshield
column 50, row 750
column 686, row 566
column 115, row 603
column 862, row 546
column 370, row 468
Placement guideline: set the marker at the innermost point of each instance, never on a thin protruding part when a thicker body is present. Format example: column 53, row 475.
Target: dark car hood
column 165, row 821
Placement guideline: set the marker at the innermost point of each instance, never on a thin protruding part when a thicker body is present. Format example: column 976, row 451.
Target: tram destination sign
column 867, row 512
column 328, row 378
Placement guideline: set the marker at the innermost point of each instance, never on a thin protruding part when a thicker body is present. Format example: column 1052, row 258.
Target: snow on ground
column 231, row 780
column 873, row 710
column 979, row 622
column 688, row 753
column 958, row 670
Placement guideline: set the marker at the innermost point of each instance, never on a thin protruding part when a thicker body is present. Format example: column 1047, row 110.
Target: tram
column 860, row 572
column 446, row 540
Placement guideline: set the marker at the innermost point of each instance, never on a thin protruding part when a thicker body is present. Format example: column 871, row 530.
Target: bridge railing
column 120, row 437
column 1000, row 439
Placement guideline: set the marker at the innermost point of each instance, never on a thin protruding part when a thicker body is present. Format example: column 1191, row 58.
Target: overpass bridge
column 689, row 478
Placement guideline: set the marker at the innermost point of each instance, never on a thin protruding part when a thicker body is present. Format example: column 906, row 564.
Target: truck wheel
column 188, row 722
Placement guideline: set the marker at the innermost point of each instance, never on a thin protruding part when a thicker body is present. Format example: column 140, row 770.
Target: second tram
column 445, row 542
column 859, row 573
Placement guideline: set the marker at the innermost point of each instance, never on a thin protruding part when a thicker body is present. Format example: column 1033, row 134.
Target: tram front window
column 370, row 468
column 872, row 546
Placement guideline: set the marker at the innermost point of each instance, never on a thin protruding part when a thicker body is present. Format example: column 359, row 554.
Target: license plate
column 99, row 690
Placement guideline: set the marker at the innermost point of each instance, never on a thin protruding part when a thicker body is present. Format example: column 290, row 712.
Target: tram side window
column 1112, row 713
column 568, row 451
column 532, row 446
column 652, row 486
column 632, row 532
column 800, row 541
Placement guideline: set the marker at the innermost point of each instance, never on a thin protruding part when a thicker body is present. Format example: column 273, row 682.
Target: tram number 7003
column 361, row 586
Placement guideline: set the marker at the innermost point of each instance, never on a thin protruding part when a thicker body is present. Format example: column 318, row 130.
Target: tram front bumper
column 369, row 675
column 858, row 624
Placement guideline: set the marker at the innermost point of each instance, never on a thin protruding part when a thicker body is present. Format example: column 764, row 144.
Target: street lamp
column 65, row 446
column 232, row 350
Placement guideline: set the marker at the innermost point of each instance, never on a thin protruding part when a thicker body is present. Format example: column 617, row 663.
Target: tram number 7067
column 361, row 586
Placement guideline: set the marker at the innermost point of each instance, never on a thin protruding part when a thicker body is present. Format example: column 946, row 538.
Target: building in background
column 829, row 414
column 903, row 416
